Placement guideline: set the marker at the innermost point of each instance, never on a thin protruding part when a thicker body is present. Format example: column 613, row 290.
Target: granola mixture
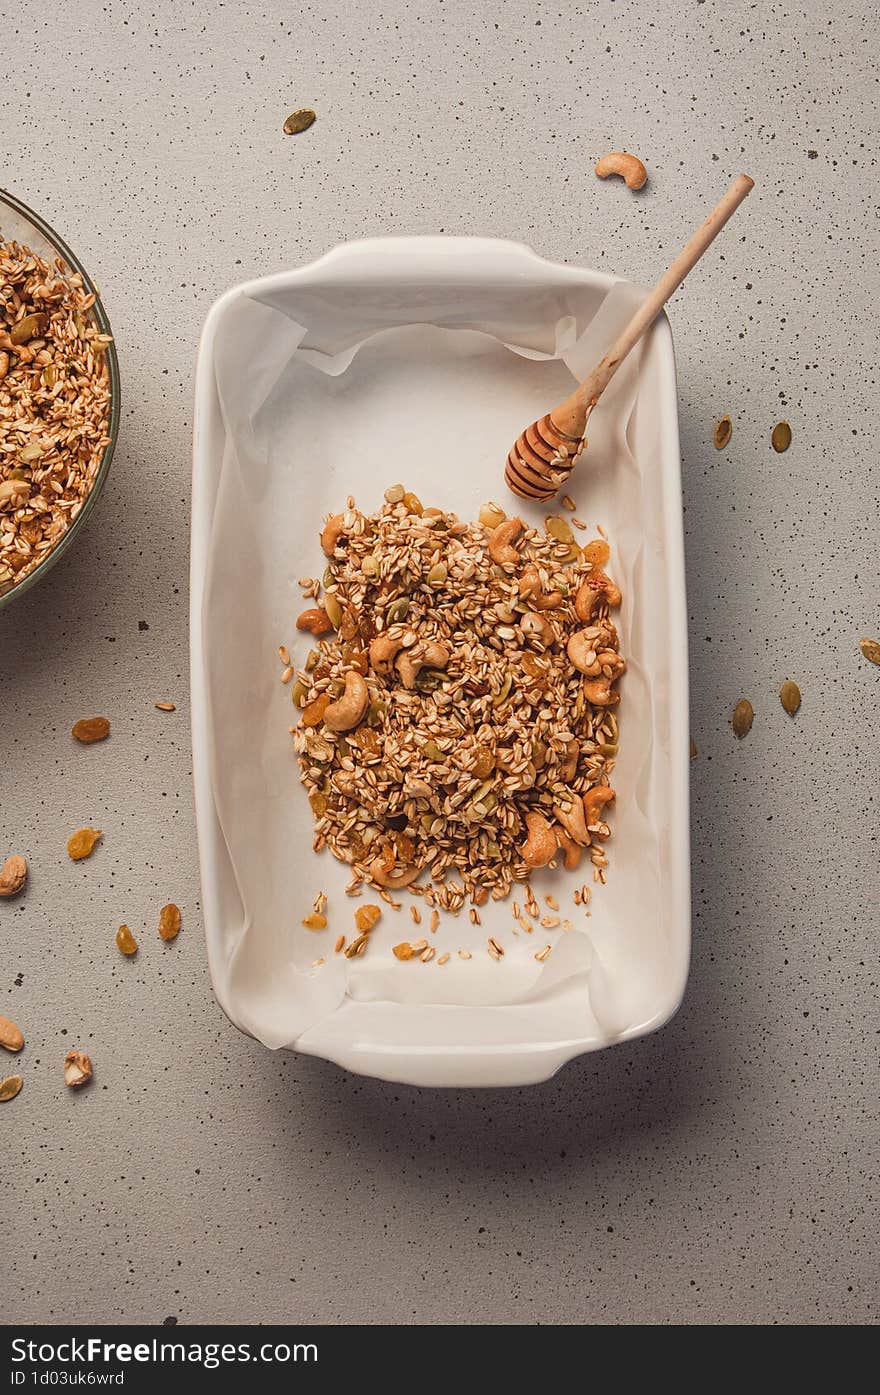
column 457, row 729
column 54, row 406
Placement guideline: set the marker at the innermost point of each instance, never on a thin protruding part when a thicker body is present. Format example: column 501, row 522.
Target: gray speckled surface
column 722, row 1170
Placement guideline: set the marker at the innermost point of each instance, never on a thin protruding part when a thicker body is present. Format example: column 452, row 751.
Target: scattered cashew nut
column 599, row 692
column 629, row 167
column 391, row 879
column 530, row 590
column 540, row 845
column 582, row 654
column 430, row 655
column 593, row 590
column 383, row 651
column 594, row 802
column 331, row 533
column 572, row 820
column 537, row 627
column 501, row 548
column 316, row 621
column 13, row 875
column 350, row 709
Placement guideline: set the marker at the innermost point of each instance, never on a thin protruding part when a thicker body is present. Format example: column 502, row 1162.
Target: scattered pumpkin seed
column 780, row 437
column 743, row 716
column 790, row 697
column 10, row 1087
column 871, row 649
column 722, row 433
column 299, row 121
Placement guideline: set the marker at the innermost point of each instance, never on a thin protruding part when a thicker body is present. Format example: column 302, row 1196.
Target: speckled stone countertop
column 722, row 1170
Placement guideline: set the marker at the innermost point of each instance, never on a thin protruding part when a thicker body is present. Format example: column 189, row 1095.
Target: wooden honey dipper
column 542, row 458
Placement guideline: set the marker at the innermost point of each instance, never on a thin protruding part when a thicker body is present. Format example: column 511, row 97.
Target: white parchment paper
column 322, row 398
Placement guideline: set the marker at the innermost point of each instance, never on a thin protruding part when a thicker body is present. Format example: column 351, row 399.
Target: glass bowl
column 19, row 224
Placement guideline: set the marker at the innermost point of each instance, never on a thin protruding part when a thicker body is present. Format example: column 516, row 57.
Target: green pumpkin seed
column 432, row 751
column 398, row 610
column 333, row 609
column 437, row 575
column 300, row 693
column 722, row 433
column 790, row 697
column 504, row 693
column 31, row 327
column 299, row 121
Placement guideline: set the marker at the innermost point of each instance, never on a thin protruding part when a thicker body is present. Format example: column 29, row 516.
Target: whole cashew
column 351, row 708
column 331, row 533
column 316, row 621
column 599, row 692
column 535, row 627
column 629, row 167
column 383, row 651
column 568, row 769
column 501, row 548
column 582, row 654
column 393, row 879
column 572, row 850
column 540, row 844
column 572, row 820
column 530, row 590
column 594, row 802
column 430, row 655
column 593, row 590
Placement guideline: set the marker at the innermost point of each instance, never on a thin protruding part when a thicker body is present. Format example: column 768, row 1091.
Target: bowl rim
column 70, row 257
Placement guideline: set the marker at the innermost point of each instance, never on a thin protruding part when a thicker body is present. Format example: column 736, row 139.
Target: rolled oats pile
column 54, row 406
column 456, row 729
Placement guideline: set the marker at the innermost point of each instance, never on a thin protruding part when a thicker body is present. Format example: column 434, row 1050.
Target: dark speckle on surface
column 723, row 1170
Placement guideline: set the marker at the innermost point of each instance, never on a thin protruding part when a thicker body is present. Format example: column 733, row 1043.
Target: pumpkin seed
column 333, row 609
column 376, row 713
column 722, row 433
column 432, row 751
column 30, row 453
column 790, row 697
column 10, row 1087
column 299, row 693
column 299, row 121
column 780, row 437
column 504, row 692
column 30, row 327
column 743, row 716
column 871, row 649
column 311, row 659
column 558, row 528
column 398, row 610
column 491, row 515
column 437, row 575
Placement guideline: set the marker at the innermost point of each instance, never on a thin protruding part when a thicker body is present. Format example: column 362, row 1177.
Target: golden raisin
column 315, row 921
column 597, row 552
column 125, row 941
column 313, row 715
column 365, row 917
column 90, row 729
column 484, row 764
column 169, row 922
column 403, row 951
column 82, row 843
column 319, row 803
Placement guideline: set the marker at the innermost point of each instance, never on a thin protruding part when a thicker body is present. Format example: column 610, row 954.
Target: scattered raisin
column 313, row 714
column 125, row 941
column 169, row 921
column 90, row 729
column 82, row 843
column 365, row 917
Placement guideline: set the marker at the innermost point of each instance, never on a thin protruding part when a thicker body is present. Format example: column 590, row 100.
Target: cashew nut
column 568, row 769
column 351, row 708
column 430, row 655
column 611, row 663
column 501, row 548
column 331, row 533
column 599, row 692
column 383, row 651
column 593, row 590
column 572, row 819
column 594, row 802
column 572, row 850
column 629, row 167
column 379, row 873
column 316, row 621
column 540, row 844
column 530, row 590
column 582, row 654
column 536, row 627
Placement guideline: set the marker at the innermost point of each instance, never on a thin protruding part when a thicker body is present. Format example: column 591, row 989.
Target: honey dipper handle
column 570, row 416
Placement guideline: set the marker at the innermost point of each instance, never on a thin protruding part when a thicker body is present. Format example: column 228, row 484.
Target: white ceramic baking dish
column 373, row 364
